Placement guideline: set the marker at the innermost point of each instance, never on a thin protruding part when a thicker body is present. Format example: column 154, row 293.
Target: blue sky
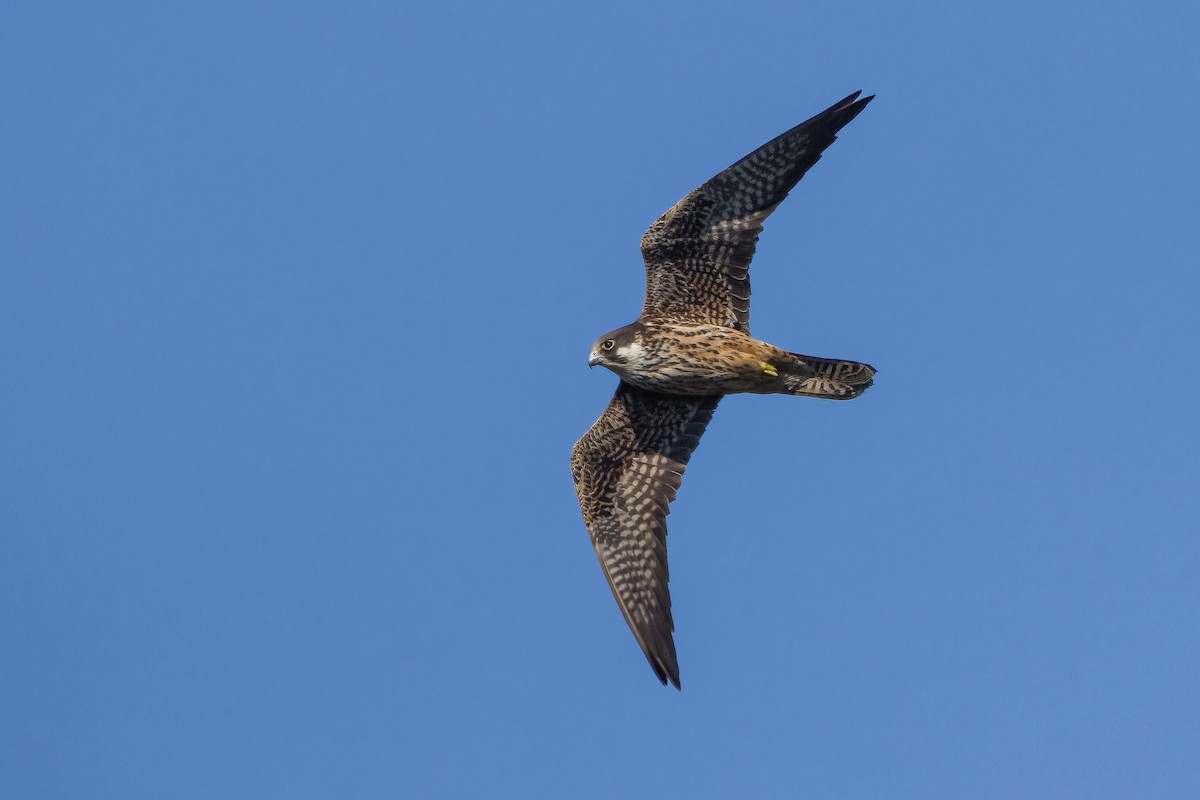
column 297, row 299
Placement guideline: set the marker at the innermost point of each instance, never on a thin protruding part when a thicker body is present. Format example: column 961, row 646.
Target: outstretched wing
column 627, row 468
column 698, row 253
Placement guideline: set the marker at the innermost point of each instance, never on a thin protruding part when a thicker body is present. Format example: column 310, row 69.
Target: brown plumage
column 690, row 346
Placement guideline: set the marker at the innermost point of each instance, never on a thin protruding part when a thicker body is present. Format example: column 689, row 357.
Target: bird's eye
column 608, row 344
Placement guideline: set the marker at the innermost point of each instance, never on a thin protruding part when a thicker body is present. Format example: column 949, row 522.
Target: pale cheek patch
column 633, row 353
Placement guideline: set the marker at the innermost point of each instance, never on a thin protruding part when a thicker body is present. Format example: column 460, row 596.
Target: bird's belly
column 705, row 361
column 679, row 382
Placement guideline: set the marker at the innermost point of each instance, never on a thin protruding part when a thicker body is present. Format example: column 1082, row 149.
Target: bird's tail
column 827, row 378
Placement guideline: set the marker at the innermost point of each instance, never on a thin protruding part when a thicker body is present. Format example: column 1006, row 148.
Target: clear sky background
column 295, row 303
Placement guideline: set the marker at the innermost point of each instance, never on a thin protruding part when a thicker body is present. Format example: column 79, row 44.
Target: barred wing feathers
column 627, row 469
column 698, row 253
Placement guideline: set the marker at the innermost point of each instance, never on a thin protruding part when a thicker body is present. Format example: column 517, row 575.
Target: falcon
column 691, row 346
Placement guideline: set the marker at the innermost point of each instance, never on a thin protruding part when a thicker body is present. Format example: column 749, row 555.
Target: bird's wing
column 698, row 253
column 627, row 468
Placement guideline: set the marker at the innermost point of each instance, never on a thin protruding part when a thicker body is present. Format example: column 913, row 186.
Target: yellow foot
column 768, row 368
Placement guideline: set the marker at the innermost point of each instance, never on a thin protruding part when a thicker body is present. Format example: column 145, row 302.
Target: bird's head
column 616, row 349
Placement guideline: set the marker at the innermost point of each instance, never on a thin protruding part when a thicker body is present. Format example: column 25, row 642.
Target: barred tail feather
column 828, row 378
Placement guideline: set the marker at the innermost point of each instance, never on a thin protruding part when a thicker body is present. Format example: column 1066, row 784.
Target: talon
column 768, row 368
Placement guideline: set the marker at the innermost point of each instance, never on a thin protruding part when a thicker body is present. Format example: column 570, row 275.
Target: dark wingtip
column 834, row 118
column 672, row 675
column 855, row 96
column 665, row 671
column 849, row 108
column 852, row 100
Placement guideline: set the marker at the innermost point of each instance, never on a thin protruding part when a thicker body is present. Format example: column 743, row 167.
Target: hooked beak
column 593, row 359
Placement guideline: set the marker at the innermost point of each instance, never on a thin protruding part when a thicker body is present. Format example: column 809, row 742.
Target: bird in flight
column 690, row 346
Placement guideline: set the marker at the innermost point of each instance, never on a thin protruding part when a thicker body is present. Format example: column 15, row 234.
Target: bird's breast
column 697, row 360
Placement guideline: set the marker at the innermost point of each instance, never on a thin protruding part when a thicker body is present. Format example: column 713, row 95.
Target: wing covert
column 698, row 253
column 627, row 469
